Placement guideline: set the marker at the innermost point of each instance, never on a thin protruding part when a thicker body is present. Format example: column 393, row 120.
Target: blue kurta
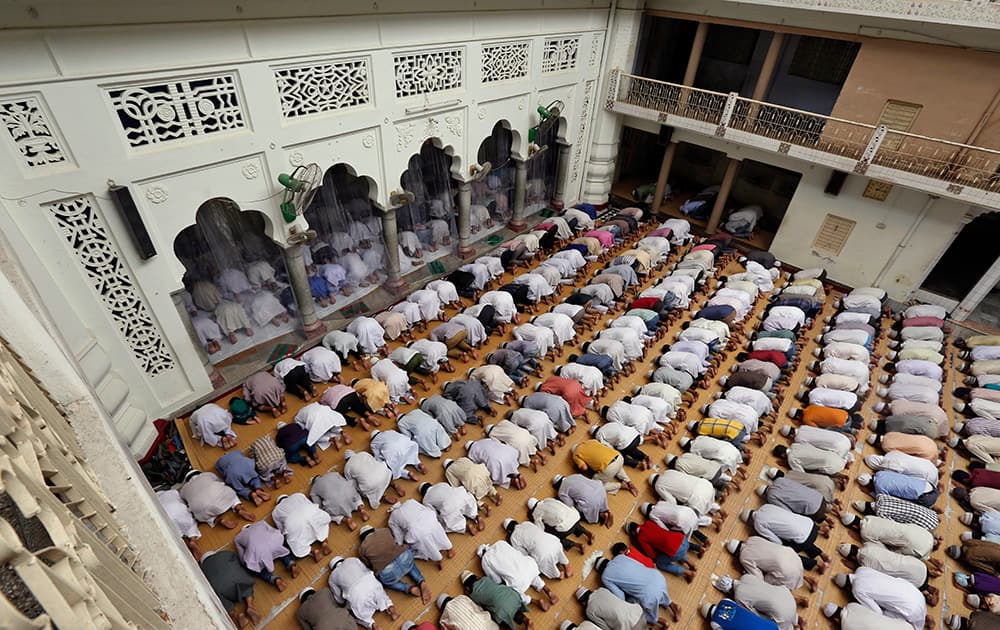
column 635, row 582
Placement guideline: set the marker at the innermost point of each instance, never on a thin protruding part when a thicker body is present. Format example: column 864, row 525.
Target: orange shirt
column 824, row 417
column 594, row 455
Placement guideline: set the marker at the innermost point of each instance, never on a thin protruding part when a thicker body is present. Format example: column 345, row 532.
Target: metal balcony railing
column 931, row 164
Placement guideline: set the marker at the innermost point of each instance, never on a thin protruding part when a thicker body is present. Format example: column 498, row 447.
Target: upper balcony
column 968, row 13
column 938, row 167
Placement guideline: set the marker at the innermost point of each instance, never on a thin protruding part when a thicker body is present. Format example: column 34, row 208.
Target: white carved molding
column 306, row 90
column 33, row 131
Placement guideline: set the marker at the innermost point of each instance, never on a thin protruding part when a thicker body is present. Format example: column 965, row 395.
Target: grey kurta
column 610, row 612
column 208, row 497
column 421, row 427
column 794, row 497
column 446, row 412
column 335, row 494
column 587, row 495
column 230, row 581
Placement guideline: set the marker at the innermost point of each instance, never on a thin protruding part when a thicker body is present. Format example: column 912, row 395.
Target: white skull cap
column 481, row 549
column 684, row 441
column 305, row 591
column 442, row 599
column 848, row 518
column 786, row 430
column 864, row 479
column 557, row 478
column 706, row 610
column 745, row 515
column 829, row 610
column 334, row 561
column 532, row 502
column 761, row 490
column 580, row 592
column 844, row 549
column 732, row 546
column 364, row 529
column 840, row 580
column 507, row 521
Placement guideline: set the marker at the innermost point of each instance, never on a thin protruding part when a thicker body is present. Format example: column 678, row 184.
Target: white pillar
column 607, row 126
column 465, row 249
column 986, row 283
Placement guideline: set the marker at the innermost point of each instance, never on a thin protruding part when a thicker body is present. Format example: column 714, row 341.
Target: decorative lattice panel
column 428, row 72
column 503, row 62
column 560, row 54
column 323, row 87
column 33, row 133
column 155, row 113
column 87, row 235
column 581, row 128
column 68, row 564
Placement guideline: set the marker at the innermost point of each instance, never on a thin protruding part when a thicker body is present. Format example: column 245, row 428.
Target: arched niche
column 543, row 168
column 236, row 289
column 348, row 225
column 427, row 226
column 495, row 192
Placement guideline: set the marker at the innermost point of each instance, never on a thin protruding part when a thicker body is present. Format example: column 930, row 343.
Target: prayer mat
column 353, row 310
column 436, row 267
column 494, row 240
column 281, row 351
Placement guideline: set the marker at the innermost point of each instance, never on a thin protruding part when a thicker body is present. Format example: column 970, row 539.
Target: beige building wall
column 955, row 87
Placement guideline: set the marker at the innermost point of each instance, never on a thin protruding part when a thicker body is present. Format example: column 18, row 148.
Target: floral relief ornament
column 250, row 170
column 157, row 194
column 296, row 159
column 368, row 141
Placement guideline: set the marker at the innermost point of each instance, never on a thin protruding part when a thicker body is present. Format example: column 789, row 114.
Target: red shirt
column 636, row 555
column 932, row 322
column 982, row 478
column 651, row 539
column 570, row 390
column 771, row 356
column 646, row 303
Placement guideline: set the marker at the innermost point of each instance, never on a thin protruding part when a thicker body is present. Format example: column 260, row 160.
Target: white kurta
column 179, row 513
column 352, row 583
column 495, row 380
column 507, row 565
column 542, row 337
column 453, row 504
column 537, row 423
column 475, row 332
column 322, row 423
column 446, row 290
column 302, row 522
column 590, row 377
column 409, row 310
column 396, row 450
column 561, row 325
column 322, row 364
column 264, row 307
column 208, row 421
column 429, row 302
column 371, row 476
column 416, row 525
column 544, row 548
column 395, row 378
column 370, row 334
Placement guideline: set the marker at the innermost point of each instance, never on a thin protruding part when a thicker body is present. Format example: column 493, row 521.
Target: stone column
column 723, row 198
column 661, row 181
column 768, row 67
column 299, row 279
column 213, row 374
column 562, row 174
column 465, row 249
column 395, row 283
column 694, row 59
column 517, row 222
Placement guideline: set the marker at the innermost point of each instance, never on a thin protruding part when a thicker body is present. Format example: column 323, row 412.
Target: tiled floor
column 279, row 608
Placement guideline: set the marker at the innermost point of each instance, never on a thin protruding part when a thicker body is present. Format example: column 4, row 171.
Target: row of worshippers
column 741, row 414
column 536, row 549
column 233, row 300
column 797, row 503
column 978, row 489
column 633, row 586
column 891, row 584
column 489, row 463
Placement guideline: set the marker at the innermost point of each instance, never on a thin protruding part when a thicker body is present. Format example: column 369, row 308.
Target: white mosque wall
column 219, row 109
